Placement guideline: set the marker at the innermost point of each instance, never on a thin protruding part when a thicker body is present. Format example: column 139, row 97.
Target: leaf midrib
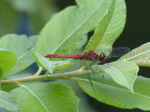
column 115, row 87
column 35, row 96
column 138, row 55
column 25, row 53
column 122, row 77
column 77, row 28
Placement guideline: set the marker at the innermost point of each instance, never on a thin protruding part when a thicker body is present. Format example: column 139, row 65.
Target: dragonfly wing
column 119, row 51
column 106, row 51
column 115, row 52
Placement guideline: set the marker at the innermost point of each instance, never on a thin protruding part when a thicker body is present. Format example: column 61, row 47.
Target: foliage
column 61, row 35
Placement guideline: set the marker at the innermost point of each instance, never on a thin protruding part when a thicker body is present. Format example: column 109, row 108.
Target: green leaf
column 51, row 65
column 110, row 27
column 109, row 92
column 1, row 77
column 22, row 47
column 66, row 29
column 33, row 39
column 8, row 87
column 7, row 60
column 140, row 55
column 8, row 102
column 46, row 97
column 122, row 72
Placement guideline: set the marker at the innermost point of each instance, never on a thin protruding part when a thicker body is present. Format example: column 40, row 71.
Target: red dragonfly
column 93, row 56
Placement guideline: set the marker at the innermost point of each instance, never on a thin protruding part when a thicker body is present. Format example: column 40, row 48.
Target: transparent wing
column 115, row 52
column 119, row 51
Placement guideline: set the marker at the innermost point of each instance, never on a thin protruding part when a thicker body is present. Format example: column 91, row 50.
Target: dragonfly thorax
column 91, row 56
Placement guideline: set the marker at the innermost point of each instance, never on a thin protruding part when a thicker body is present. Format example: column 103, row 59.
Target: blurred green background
column 29, row 17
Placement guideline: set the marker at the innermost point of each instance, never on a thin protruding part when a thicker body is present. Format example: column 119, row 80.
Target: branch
column 46, row 77
column 38, row 72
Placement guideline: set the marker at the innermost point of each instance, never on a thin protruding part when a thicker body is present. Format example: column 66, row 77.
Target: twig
column 44, row 77
column 38, row 72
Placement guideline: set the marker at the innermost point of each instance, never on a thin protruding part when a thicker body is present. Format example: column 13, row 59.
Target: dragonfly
column 92, row 55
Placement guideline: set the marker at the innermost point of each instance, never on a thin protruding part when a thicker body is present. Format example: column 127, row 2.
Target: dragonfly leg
column 93, row 63
column 90, row 79
column 106, row 65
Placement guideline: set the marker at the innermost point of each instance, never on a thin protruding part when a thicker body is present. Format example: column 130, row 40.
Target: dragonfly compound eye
column 102, row 57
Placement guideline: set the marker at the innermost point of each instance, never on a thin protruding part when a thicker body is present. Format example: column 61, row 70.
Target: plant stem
column 44, row 77
column 38, row 72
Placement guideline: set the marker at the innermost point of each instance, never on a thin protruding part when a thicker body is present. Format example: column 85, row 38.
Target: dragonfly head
column 102, row 57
